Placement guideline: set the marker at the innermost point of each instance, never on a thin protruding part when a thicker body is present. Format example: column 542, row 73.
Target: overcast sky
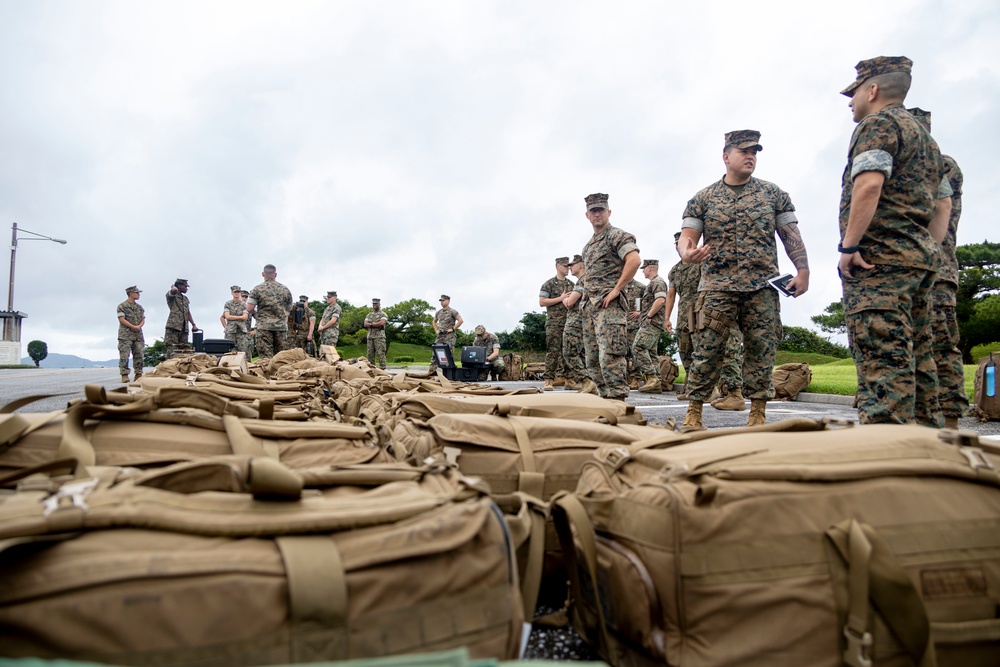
column 404, row 149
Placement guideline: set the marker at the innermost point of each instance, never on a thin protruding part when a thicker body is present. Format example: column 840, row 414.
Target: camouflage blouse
column 684, row 278
column 949, row 262
column 551, row 288
column 604, row 256
column 235, row 307
column 376, row 332
column 656, row 289
column 179, row 306
column 133, row 314
column 574, row 317
column 273, row 301
column 446, row 318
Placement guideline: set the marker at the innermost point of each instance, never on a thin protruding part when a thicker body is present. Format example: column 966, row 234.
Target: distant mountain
column 55, row 360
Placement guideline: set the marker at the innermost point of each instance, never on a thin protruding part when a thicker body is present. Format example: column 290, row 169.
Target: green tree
column 154, row 354
column 410, row 322
column 978, row 283
column 667, row 345
column 530, row 336
column 800, row 339
column 832, row 321
column 37, row 350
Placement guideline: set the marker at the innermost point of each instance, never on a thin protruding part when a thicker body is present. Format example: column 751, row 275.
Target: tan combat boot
column 559, row 382
column 652, row 386
column 692, row 420
column 732, row 401
column 547, row 386
column 571, row 385
column 633, row 383
column 124, row 379
column 951, row 422
column 757, row 408
column 589, row 387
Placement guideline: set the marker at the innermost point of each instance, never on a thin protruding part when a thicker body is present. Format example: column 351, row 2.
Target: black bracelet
column 850, row 250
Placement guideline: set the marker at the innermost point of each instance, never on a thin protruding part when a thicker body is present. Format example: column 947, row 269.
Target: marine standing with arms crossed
column 550, row 297
column 375, row 322
column 888, row 262
column 611, row 258
column 739, row 216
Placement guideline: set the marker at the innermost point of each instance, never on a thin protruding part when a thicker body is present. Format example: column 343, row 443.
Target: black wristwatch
column 850, row 250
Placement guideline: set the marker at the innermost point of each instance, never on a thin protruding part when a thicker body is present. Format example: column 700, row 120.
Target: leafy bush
column 37, row 349
column 980, row 351
column 402, row 360
column 800, row 339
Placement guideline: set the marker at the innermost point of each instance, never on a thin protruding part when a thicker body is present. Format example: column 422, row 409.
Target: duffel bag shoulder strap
column 672, row 438
column 529, row 480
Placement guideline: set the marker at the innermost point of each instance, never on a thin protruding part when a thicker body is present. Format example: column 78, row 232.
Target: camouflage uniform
column 299, row 320
column 490, row 342
column 607, row 343
column 886, row 308
column 331, row 335
column 734, row 289
column 237, row 330
column 176, row 332
column 129, row 341
column 633, row 292
column 376, row 339
column 572, row 346
column 644, row 344
column 684, row 279
column 731, row 378
column 555, row 325
column 445, row 318
column 273, row 301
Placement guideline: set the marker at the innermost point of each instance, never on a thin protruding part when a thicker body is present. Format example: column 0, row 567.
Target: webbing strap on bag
column 528, row 525
column 569, row 412
column 529, row 480
column 317, row 592
column 242, row 442
column 875, row 576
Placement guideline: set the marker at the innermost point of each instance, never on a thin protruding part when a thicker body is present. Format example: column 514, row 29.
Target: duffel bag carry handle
column 527, row 524
column 559, row 412
column 875, row 577
column 262, row 477
column 672, row 438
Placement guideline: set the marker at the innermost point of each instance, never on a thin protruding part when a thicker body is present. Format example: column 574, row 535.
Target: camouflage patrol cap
column 596, row 200
column 235, row 288
column 577, row 259
column 331, row 293
column 480, row 329
column 923, row 117
column 875, row 66
column 132, row 288
column 562, row 260
column 677, row 237
column 303, row 297
column 374, row 300
column 444, row 296
column 181, row 281
column 649, row 262
column 245, row 292
column 744, row 139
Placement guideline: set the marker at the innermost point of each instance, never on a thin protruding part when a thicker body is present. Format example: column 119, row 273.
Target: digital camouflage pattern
column 299, row 320
column 887, row 308
column 866, row 69
column 574, row 362
column 273, row 301
column 644, row 355
column 555, row 324
column 744, row 139
column 375, row 350
column 490, row 342
column 633, row 292
column 888, row 324
column 130, row 342
column 741, row 230
column 948, row 357
column 180, row 307
column 237, row 330
column 684, row 278
column 948, row 271
column 604, row 259
column 445, row 318
column 892, row 141
column 758, row 316
column 331, row 335
column 656, row 289
column 731, row 377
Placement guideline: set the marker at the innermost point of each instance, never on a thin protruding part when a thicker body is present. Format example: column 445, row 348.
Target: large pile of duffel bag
column 305, row 511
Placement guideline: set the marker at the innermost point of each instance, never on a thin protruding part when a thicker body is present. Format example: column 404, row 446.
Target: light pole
column 13, row 255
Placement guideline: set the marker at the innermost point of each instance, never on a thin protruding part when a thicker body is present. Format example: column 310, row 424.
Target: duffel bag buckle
column 858, row 646
column 615, row 457
column 75, row 492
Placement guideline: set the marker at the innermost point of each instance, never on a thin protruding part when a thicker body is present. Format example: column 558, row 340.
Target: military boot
column 652, row 386
column 633, row 383
column 951, row 422
column 757, row 408
column 571, row 385
column 559, row 382
column 589, row 387
column 692, row 420
column 547, row 386
column 125, row 379
column 732, row 401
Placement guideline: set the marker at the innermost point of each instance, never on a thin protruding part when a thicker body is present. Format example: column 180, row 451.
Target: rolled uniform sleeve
column 944, row 189
column 876, row 146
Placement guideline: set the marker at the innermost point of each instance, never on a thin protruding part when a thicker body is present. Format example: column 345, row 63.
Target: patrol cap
column 303, row 297
column 923, row 117
column 132, row 288
column 331, row 293
column 444, row 296
column 649, row 262
column 181, row 281
column 677, row 237
column 577, row 259
column 596, row 200
column 480, row 329
column 245, row 292
column 563, row 261
column 235, row 288
column 744, row 139
column 374, row 300
column 875, row 66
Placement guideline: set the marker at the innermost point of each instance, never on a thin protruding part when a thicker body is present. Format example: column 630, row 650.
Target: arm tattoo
column 794, row 247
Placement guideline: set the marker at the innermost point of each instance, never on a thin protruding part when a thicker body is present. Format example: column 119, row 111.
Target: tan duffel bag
column 180, row 424
column 561, row 405
column 873, row 545
column 229, row 562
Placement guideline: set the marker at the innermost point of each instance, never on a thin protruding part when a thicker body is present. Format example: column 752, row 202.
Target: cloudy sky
column 405, row 149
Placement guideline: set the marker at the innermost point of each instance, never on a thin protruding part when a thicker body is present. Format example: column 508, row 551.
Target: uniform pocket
column 860, row 298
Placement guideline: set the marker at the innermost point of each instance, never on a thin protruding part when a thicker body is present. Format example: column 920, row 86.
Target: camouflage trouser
column 644, row 354
column 951, row 376
column 376, row 351
column 269, row 343
column 298, row 341
column 631, row 331
column 685, row 347
column 573, row 355
column 497, row 366
column 554, row 366
column 448, row 339
column 127, row 347
column 732, row 368
column 173, row 338
column 886, row 309
column 329, row 336
column 757, row 315
column 605, row 348
column 242, row 340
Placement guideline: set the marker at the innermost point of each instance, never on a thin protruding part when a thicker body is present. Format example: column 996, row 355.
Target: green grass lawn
column 421, row 354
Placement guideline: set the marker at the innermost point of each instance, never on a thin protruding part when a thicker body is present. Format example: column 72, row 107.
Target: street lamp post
column 13, row 255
